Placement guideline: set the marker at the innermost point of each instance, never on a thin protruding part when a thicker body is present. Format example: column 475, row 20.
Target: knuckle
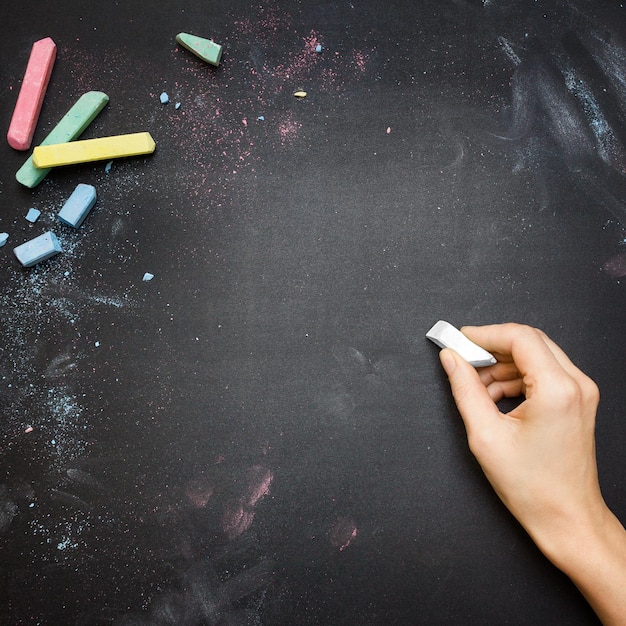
column 591, row 392
column 461, row 391
column 576, row 395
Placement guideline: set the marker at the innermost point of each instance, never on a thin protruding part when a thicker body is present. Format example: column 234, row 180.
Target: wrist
column 575, row 539
column 592, row 553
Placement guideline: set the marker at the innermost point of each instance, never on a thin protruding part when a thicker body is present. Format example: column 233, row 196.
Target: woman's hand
column 540, row 457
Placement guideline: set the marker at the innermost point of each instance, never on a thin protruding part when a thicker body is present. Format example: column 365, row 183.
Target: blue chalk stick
column 33, row 215
column 78, row 205
column 38, row 249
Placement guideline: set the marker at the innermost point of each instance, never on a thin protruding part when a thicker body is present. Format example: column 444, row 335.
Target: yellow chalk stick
column 103, row 148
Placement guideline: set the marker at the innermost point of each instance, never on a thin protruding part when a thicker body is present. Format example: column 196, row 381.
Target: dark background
column 262, row 434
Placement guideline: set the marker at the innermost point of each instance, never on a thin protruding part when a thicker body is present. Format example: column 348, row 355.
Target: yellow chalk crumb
column 300, row 94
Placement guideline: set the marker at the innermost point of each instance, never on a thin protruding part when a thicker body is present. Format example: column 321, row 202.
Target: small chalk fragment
column 177, row 106
column 108, row 166
column 71, row 126
column 205, row 49
column 164, row 98
column 3, row 238
column 147, row 277
column 261, row 118
column 33, row 215
column 29, row 429
column 88, row 150
column 32, row 92
column 447, row 336
column 318, row 48
column 38, row 249
column 300, row 94
column 78, row 205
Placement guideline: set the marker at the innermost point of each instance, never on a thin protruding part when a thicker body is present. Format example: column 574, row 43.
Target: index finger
column 525, row 345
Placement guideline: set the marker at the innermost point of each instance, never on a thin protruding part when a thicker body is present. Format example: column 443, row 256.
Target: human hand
column 539, row 457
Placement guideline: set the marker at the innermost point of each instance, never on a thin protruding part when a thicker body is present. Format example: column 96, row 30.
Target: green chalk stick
column 69, row 128
column 206, row 49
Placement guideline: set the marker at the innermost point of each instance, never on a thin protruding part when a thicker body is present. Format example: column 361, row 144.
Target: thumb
column 472, row 399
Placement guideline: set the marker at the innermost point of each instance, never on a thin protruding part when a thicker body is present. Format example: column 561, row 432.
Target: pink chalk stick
column 32, row 92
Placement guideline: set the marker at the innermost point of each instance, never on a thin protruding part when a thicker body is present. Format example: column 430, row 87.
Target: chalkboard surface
column 261, row 434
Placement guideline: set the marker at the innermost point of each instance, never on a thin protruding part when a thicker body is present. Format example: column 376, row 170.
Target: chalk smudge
column 239, row 514
column 342, row 532
column 616, row 266
column 567, row 114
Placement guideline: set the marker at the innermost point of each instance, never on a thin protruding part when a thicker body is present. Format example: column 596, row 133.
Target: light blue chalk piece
column 261, row 118
column 164, row 98
column 3, row 238
column 147, row 276
column 38, row 249
column 177, row 105
column 97, row 344
column 78, row 205
column 33, row 215
column 108, row 166
column 318, row 48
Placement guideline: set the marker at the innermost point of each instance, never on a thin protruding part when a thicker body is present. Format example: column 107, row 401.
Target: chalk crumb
column 108, row 166
column 3, row 238
column 164, row 98
column 147, row 277
column 33, row 215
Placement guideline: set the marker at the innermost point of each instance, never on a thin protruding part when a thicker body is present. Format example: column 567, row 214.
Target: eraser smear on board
column 32, row 92
column 205, row 49
column 102, row 148
column 78, row 205
column 447, row 336
column 38, row 249
column 71, row 126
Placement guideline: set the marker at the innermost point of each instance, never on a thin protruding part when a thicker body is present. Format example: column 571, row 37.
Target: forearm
column 593, row 555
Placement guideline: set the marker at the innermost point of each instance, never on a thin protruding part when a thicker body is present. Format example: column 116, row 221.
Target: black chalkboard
column 261, row 434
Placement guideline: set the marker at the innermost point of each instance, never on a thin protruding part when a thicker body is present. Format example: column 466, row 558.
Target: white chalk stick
column 447, row 336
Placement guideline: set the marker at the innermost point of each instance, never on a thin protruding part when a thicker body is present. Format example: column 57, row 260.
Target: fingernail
column 448, row 362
